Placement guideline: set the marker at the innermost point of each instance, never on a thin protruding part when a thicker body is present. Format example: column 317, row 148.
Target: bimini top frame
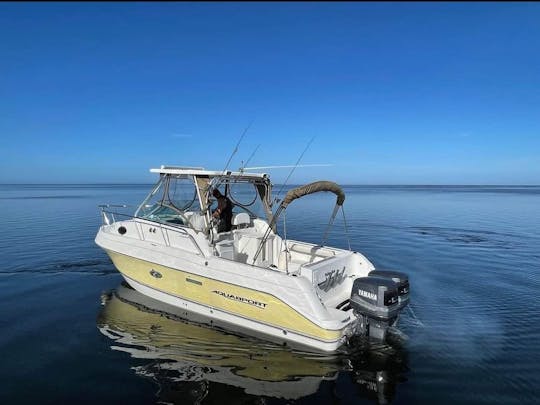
column 315, row 187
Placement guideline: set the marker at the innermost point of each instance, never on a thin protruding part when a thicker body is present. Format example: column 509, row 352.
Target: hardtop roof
column 200, row 171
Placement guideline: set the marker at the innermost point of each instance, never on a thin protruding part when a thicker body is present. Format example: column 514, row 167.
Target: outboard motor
column 375, row 300
column 402, row 281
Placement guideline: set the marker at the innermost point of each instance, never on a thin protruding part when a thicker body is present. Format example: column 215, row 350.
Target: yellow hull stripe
column 231, row 298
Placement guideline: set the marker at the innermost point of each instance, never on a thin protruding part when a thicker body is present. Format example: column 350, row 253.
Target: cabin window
column 245, row 198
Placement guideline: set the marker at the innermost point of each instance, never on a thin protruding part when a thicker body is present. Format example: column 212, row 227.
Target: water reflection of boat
column 186, row 356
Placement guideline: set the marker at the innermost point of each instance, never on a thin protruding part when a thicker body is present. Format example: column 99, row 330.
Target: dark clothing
column 225, row 214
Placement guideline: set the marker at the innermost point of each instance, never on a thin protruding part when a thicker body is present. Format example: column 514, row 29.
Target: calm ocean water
column 471, row 335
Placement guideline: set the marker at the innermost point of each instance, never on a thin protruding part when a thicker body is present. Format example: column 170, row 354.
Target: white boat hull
column 279, row 306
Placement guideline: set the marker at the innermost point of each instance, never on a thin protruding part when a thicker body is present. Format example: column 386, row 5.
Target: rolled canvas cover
column 314, row 188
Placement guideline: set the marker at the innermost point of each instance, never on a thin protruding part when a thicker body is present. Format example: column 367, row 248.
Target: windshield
column 174, row 199
column 170, row 200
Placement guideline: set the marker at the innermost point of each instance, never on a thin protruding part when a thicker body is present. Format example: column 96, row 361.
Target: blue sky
column 413, row 93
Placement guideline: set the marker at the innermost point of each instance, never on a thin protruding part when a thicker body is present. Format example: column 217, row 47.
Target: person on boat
column 223, row 211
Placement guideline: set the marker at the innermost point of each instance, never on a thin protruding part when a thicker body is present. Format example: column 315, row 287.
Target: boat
column 249, row 276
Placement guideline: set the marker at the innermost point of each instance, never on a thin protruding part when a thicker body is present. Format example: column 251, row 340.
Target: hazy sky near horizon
column 393, row 93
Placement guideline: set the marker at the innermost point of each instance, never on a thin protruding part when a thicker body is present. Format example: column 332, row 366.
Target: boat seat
column 241, row 220
column 196, row 220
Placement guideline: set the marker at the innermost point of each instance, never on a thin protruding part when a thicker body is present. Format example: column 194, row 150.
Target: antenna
column 287, row 166
column 294, row 167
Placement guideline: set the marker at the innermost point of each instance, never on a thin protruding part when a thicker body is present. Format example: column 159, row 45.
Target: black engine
column 378, row 299
column 402, row 281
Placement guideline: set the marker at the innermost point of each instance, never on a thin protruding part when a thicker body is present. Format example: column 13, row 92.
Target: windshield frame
column 203, row 184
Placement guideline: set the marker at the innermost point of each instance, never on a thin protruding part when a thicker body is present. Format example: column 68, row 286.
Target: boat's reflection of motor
column 378, row 368
column 187, row 356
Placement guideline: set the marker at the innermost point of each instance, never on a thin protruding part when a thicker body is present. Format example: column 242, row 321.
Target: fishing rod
column 293, row 168
column 236, row 147
column 216, row 180
column 274, row 216
column 247, row 161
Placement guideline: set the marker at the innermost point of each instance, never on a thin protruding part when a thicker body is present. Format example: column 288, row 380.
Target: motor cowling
column 402, row 281
column 375, row 300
